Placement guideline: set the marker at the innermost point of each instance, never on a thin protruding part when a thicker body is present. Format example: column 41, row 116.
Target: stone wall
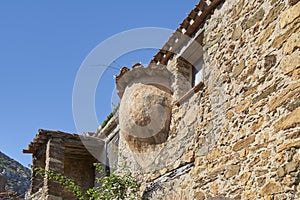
column 3, row 182
column 64, row 154
column 82, row 171
column 237, row 137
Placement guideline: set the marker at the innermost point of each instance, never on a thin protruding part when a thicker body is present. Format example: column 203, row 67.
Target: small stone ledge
column 189, row 94
column 51, row 197
column 111, row 125
column 155, row 184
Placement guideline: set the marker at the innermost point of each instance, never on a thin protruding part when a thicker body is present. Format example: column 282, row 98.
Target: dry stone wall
column 238, row 137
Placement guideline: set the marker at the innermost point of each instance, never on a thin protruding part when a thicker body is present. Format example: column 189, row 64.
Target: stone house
column 215, row 114
column 64, row 153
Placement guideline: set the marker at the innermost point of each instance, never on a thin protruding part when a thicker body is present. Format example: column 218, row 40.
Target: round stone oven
column 145, row 108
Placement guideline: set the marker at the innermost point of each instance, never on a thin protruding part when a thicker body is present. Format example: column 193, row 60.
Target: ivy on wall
column 112, row 186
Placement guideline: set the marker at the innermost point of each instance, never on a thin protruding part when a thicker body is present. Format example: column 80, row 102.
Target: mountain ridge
column 17, row 175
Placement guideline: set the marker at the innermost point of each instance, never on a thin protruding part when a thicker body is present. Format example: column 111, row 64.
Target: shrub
column 112, row 186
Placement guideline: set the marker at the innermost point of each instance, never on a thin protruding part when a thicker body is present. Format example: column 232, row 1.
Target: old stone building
column 64, row 153
column 215, row 114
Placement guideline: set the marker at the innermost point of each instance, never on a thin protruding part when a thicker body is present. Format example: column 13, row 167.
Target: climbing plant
column 112, row 186
column 110, row 116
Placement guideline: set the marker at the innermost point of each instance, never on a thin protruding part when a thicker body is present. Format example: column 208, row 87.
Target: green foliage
column 110, row 116
column 112, row 186
column 66, row 182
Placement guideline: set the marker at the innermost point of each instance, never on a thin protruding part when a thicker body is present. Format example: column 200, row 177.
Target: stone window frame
column 192, row 27
column 196, row 71
column 196, row 87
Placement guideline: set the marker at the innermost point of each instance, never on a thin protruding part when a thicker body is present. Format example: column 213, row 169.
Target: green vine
column 112, row 186
column 110, row 116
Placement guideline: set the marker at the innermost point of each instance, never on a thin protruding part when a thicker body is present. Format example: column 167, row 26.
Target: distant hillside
column 18, row 176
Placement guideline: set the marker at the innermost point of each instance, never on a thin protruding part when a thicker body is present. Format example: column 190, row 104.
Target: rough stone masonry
column 238, row 136
column 235, row 135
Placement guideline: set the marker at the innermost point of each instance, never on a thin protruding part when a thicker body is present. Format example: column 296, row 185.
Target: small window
column 197, row 74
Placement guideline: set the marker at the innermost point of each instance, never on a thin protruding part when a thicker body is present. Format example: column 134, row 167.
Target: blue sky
column 42, row 45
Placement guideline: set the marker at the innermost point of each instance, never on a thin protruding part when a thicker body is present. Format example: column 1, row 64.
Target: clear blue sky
column 42, row 45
